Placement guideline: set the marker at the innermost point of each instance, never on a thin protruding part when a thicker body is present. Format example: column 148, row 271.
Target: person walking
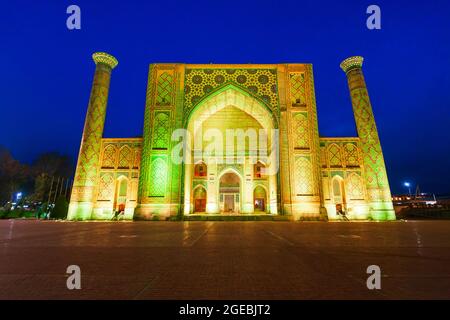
column 121, row 210
column 116, row 215
column 341, row 212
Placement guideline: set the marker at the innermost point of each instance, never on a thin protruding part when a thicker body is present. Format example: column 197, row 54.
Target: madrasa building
column 237, row 140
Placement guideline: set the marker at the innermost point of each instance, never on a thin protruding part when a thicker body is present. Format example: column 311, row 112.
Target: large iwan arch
column 227, row 102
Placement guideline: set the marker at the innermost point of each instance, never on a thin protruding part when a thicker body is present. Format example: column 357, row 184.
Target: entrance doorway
column 339, row 193
column 229, row 190
column 259, row 198
column 120, row 198
column 200, row 199
column 229, row 203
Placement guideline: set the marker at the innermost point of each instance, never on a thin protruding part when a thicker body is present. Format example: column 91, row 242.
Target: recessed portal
column 120, row 198
column 229, row 191
column 200, row 199
column 259, row 196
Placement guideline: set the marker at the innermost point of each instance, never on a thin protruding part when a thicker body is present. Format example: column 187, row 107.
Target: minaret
column 376, row 180
column 83, row 192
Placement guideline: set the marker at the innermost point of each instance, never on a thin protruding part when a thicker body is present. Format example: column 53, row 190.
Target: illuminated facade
column 190, row 160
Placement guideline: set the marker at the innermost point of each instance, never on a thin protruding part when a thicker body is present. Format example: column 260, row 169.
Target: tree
column 47, row 166
column 12, row 175
column 53, row 164
column 35, row 179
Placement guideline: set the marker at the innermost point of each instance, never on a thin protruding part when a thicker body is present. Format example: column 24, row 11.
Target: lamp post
column 408, row 185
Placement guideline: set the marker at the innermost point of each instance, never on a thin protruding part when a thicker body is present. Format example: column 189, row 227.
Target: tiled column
column 376, row 180
column 83, row 192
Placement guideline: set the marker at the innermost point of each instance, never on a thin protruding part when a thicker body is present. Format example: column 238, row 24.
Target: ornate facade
column 189, row 160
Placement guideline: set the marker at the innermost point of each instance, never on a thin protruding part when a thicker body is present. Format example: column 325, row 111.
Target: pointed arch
column 158, row 177
column 230, row 190
column 230, row 170
column 121, row 193
column 109, row 156
column 200, row 169
column 338, row 190
column 304, row 184
column 231, row 95
column 351, row 155
column 125, row 157
column 260, row 198
column 334, row 155
column 354, row 186
column 258, row 169
column 199, row 197
column 262, row 120
column 300, row 130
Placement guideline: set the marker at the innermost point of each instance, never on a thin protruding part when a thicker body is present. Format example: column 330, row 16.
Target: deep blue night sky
column 46, row 70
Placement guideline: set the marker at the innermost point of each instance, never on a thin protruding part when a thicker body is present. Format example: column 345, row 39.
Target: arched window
column 109, row 156
column 259, row 198
column 334, row 155
column 123, row 188
column 300, row 130
column 161, row 131
column 303, row 176
column 125, row 157
column 258, row 170
column 121, row 193
column 200, row 170
column 355, row 187
column 338, row 188
column 158, row 177
column 106, row 186
column 351, row 155
column 200, row 199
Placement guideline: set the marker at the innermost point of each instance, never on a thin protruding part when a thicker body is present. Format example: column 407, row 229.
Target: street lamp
column 408, row 185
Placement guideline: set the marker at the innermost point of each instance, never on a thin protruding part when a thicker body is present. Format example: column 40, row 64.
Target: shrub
column 15, row 213
column 60, row 209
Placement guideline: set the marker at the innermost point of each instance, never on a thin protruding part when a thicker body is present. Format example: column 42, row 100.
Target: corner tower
column 376, row 180
column 85, row 182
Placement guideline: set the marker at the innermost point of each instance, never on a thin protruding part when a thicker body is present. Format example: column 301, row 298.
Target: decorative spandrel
column 355, row 187
column 164, row 89
column 125, row 157
column 261, row 83
column 300, row 130
column 298, row 88
column 105, row 186
column 109, row 156
column 351, row 155
column 334, row 155
column 161, row 130
column 158, row 177
column 303, row 176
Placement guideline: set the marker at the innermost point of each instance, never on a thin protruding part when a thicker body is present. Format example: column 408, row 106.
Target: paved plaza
column 224, row 260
